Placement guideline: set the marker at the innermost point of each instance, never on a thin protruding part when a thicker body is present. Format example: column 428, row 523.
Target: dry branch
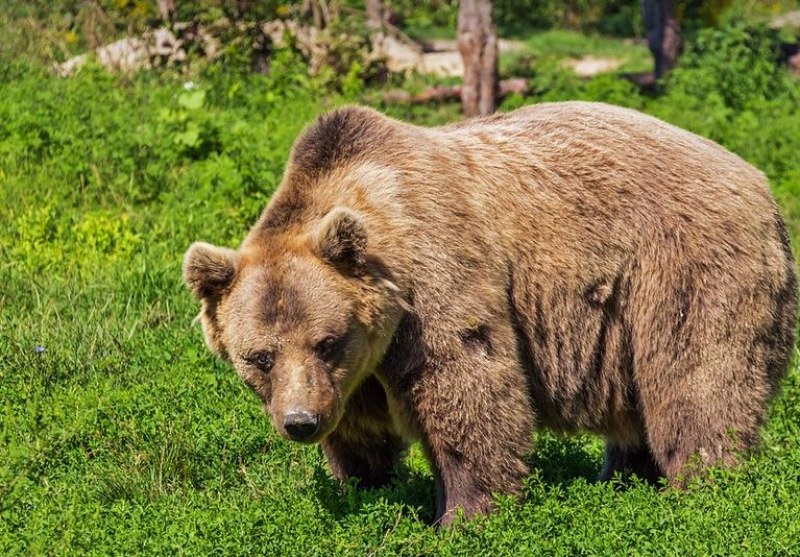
column 440, row 93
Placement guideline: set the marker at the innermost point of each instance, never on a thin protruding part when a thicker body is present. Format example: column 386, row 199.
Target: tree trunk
column 374, row 14
column 166, row 9
column 663, row 34
column 477, row 43
column 671, row 38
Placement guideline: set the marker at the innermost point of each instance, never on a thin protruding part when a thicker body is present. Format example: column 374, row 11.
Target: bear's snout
column 301, row 425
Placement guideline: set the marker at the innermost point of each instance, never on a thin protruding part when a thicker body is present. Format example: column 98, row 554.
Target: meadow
column 121, row 434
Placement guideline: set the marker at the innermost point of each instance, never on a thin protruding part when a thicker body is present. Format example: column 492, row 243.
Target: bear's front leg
column 476, row 423
column 364, row 446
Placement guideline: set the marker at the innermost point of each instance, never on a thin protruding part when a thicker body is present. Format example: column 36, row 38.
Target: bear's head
column 303, row 317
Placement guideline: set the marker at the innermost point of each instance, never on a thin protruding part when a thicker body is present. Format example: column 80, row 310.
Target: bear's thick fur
column 574, row 266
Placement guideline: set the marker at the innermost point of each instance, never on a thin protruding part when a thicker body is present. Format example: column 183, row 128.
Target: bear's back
column 589, row 175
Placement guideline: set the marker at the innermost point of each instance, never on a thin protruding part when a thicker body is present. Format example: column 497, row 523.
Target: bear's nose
column 300, row 425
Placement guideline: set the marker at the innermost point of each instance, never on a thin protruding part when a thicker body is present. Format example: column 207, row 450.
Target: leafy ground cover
column 121, row 434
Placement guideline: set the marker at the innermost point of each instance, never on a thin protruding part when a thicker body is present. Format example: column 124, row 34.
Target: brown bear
column 573, row 266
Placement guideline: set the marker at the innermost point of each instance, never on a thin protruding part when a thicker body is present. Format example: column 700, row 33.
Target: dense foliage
column 121, row 434
column 53, row 30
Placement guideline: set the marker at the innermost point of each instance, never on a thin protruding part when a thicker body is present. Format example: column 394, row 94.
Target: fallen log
column 506, row 87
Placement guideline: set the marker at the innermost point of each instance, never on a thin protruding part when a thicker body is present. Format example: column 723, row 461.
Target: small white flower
column 189, row 85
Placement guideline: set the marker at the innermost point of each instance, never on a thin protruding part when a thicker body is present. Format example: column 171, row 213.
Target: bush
column 736, row 63
column 619, row 16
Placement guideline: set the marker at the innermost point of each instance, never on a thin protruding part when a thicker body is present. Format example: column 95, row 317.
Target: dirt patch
column 590, row 66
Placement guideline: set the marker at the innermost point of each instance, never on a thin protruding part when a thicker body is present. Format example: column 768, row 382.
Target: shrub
column 736, row 63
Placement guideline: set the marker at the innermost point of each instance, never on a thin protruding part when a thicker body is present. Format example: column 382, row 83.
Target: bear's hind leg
column 695, row 428
column 709, row 357
column 627, row 460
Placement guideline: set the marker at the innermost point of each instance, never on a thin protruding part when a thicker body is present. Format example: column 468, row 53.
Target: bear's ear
column 208, row 270
column 341, row 239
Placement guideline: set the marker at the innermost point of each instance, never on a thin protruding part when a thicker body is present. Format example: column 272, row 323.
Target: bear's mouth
column 310, row 439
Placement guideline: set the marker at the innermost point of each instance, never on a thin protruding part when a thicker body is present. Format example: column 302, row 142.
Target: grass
column 563, row 43
column 555, row 46
column 125, row 436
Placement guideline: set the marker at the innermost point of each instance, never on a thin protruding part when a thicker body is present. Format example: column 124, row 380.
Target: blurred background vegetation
column 54, row 30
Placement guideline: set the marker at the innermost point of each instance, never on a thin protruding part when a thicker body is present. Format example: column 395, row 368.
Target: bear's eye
column 262, row 360
column 327, row 348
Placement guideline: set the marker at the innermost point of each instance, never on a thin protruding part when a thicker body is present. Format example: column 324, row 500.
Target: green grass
column 562, row 43
column 125, row 436
column 553, row 48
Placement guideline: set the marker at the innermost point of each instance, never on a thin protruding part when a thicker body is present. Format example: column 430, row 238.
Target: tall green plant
column 735, row 63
